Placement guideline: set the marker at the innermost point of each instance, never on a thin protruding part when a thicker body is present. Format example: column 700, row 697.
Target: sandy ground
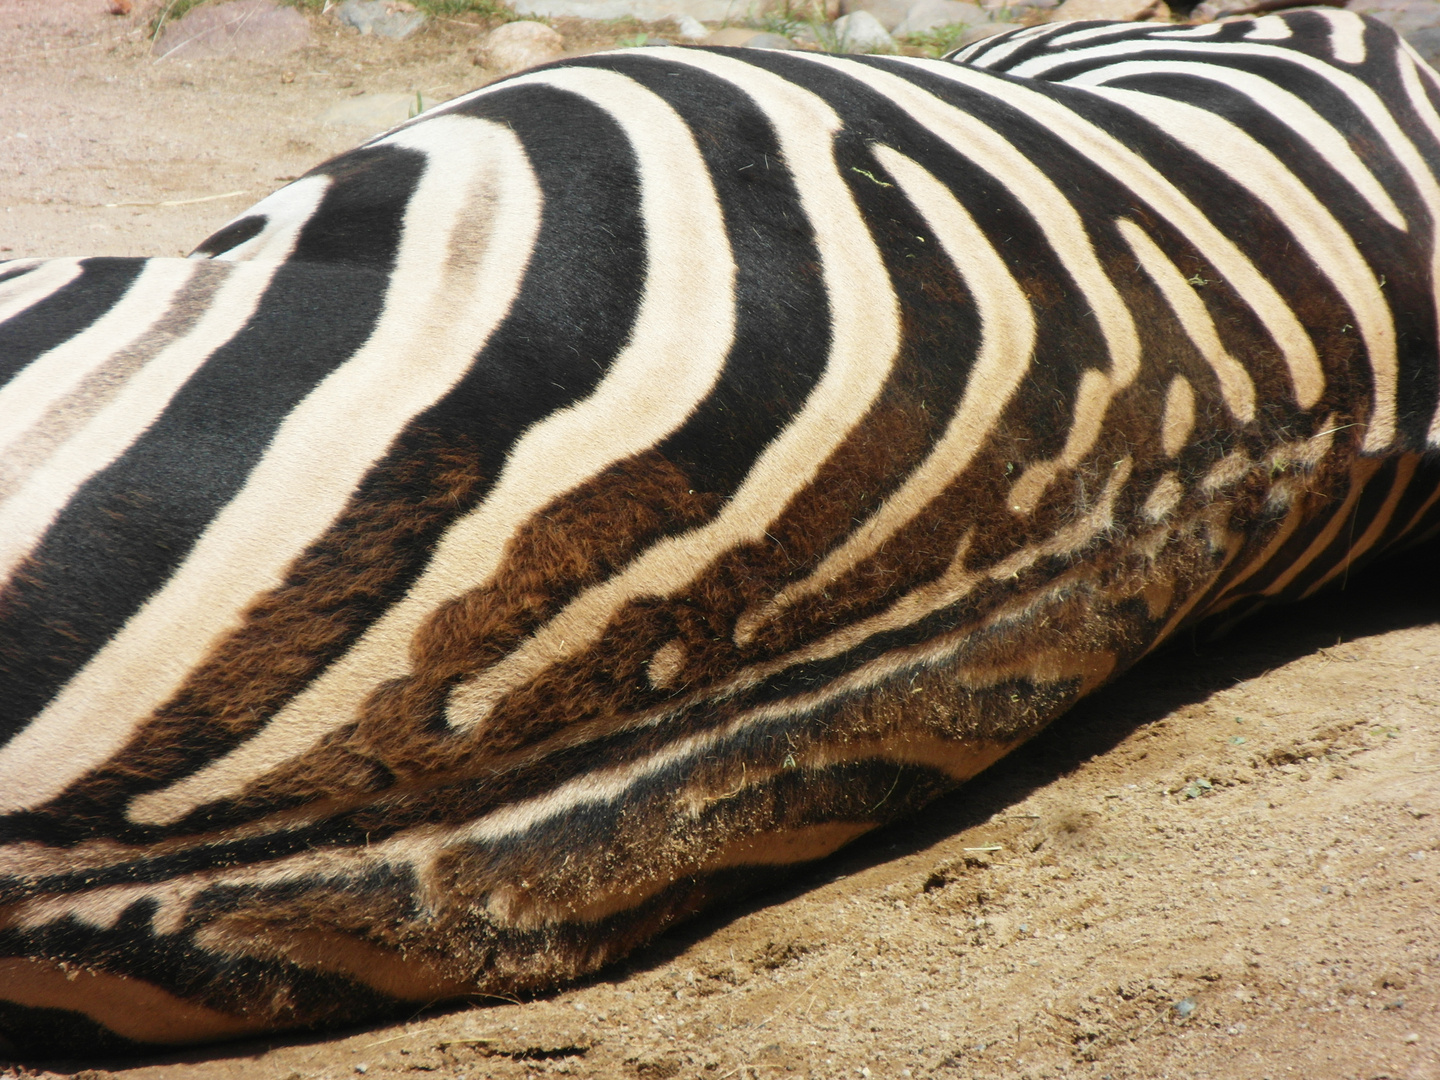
column 1226, row 866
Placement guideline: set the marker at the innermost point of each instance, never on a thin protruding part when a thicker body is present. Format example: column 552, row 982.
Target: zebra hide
column 575, row 507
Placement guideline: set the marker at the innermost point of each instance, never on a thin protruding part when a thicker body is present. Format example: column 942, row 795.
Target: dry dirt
column 1226, row 866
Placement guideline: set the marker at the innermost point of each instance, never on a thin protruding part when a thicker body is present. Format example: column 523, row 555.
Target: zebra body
column 645, row 473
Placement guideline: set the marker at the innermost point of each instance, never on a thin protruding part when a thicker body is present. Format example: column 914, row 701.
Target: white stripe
column 994, row 54
column 1330, row 248
column 1235, row 385
column 1347, row 34
column 27, row 290
column 440, row 308
column 1078, row 37
column 1178, row 419
column 54, row 374
column 45, row 492
column 1207, row 30
column 1132, row 171
column 865, row 338
column 287, row 212
column 1270, row 28
column 1007, row 343
column 1286, row 107
column 677, row 350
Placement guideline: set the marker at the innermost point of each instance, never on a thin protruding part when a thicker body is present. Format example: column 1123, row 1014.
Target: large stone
column 376, row 112
column 1224, row 9
column 1426, row 42
column 645, row 10
column 930, row 14
column 731, row 36
column 985, row 30
column 1122, row 10
column 689, row 28
column 384, row 18
column 770, row 41
column 747, row 37
column 861, row 32
column 249, row 28
column 517, row 46
column 1000, row 8
column 1406, row 16
column 889, row 13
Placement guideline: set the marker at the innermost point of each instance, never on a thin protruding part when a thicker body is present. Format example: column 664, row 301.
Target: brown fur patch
column 129, row 1007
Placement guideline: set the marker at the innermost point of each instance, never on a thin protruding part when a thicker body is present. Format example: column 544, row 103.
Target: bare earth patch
column 1226, row 866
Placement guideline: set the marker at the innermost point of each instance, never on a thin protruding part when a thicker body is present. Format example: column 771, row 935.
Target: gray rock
column 984, row 30
column 383, row 18
column 1121, row 10
column 929, row 14
column 1224, row 9
column 517, row 46
column 689, row 28
column 769, row 41
column 645, row 10
column 890, row 13
column 1426, row 42
column 999, row 9
column 376, row 112
column 734, row 37
column 249, row 28
column 863, row 33
column 1406, row 16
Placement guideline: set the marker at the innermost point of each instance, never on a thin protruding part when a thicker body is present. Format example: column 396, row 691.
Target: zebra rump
column 568, row 510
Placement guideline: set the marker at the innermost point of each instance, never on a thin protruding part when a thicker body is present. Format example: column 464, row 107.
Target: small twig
column 1147, row 1027
column 160, row 23
column 235, row 23
column 175, row 202
column 46, row 51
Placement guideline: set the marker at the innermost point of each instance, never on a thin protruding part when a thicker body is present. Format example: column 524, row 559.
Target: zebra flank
column 565, row 512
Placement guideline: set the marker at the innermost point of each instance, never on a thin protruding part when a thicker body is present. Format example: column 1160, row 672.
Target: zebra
column 578, row 506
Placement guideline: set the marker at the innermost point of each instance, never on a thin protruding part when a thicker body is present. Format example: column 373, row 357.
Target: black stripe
column 9, row 271
column 131, row 525
column 1423, row 484
column 782, row 332
column 232, row 235
column 362, row 214
column 65, row 313
column 1357, row 522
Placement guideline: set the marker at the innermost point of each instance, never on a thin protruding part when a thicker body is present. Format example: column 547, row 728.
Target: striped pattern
column 642, row 474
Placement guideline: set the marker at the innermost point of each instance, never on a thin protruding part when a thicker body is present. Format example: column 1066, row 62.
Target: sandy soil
column 1226, row 866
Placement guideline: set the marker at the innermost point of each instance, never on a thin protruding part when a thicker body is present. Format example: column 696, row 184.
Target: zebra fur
column 573, row 508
